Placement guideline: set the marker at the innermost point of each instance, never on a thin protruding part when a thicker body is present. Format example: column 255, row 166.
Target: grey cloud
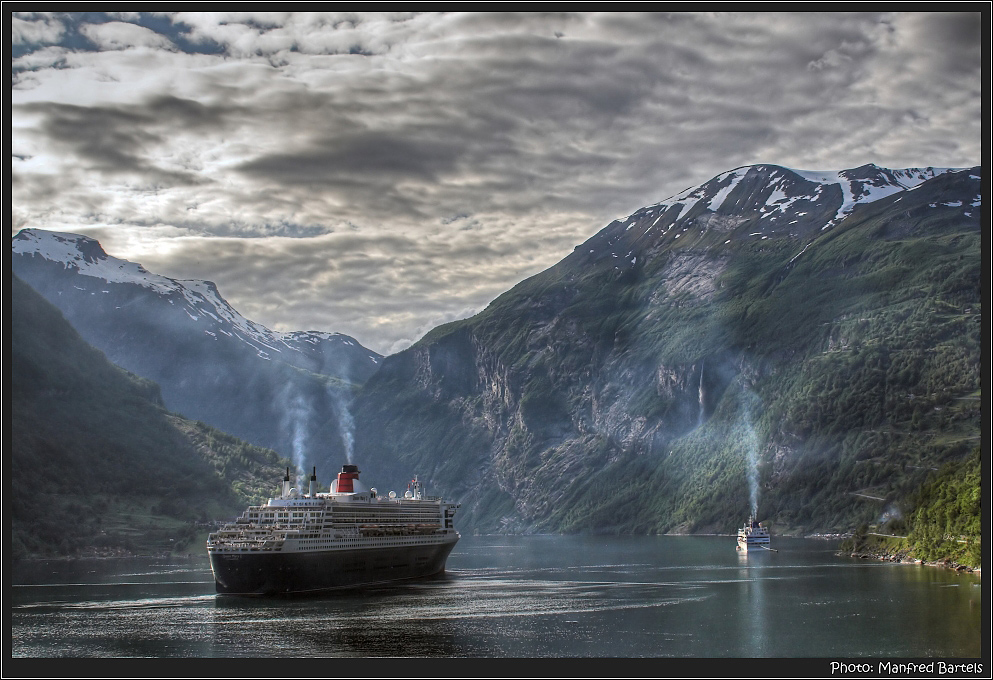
column 122, row 140
column 377, row 154
column 952, row 39
column 36, row 28
column 412, row 278
column 464, row 152
column 118, row 35
column 103, row 136
column 185, row 113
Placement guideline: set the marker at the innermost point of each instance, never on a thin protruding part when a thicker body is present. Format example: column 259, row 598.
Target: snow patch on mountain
column 202, row 299
column 866, row 184
column 718, row 200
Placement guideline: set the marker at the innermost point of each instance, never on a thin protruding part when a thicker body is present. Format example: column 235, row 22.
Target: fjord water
column 523, row 597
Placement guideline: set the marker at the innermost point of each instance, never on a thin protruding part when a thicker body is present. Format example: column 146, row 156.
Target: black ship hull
column 278, row 573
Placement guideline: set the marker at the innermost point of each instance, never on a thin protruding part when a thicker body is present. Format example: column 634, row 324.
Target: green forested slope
column 944, row 522
column 947, row 521
column 96, row 463
column 660, row 381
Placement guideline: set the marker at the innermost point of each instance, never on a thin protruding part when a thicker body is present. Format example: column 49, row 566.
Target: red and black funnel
column 348, row 474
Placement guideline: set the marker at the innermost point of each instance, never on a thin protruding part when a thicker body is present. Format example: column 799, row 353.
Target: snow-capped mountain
column 200, row 301
column 773, row 318
column 784, row 196
column 281, row 390
column 756, row 203
column 773, row 190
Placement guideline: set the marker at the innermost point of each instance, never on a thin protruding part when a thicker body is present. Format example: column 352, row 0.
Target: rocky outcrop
column 905, row 556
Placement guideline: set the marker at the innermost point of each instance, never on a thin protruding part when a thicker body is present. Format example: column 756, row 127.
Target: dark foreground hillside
column 96, row 464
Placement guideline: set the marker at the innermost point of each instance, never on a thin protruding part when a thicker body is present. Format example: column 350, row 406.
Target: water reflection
column 394, row 621
column 520, row 597
column 753, row 605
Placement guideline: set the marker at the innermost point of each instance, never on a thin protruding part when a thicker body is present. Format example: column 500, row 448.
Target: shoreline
column 903, row 557
column 110, row 555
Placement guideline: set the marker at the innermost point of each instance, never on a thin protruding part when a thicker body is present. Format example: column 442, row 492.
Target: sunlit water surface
column 519, row 596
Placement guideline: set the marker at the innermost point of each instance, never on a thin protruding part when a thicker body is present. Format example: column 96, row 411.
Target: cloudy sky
column 380, row 174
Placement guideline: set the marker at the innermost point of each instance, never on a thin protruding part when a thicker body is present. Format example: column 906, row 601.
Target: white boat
column 753, row 536
column 352, row 536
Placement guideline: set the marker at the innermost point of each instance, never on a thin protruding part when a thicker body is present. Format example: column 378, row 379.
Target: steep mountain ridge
column 279, row 390
column 804, row 345
column 705, row 355
column 98, row 465
column 763, row 201
column 332, row 353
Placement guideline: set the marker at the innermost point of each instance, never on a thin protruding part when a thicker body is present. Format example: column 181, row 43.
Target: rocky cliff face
column 749, row 344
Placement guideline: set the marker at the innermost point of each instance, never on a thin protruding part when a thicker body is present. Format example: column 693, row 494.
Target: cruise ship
column 753, row 536
column 351, row 536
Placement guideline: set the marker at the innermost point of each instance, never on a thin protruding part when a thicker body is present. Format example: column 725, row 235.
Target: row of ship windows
column 394, row 541
column 325, row 541
column 337, row 515
column 348, row 512
column 392, row 521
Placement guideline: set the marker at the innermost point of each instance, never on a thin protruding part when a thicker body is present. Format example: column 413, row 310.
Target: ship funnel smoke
column 346, row 424
column 751, row 443
column 753, row 470
column 297, row 414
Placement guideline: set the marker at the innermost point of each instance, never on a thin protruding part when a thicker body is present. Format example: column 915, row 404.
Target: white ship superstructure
column 753, row 536
column 347, row 537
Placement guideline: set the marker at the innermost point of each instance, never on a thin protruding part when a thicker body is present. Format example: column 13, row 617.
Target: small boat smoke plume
column 751, row 443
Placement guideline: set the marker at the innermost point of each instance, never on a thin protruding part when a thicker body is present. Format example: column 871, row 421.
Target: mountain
column 284, row 391
column 97, row 464
column 804, row 346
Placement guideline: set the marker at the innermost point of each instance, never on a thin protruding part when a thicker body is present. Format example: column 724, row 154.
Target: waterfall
column 699, row 420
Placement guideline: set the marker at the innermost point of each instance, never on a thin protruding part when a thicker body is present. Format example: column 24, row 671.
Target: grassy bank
column 945, row 526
